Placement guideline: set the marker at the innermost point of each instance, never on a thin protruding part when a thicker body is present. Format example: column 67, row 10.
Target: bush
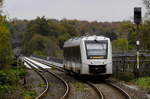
column 29, row 94
column 143, row 82
column 22, row 71
column 6, row 78
column 125, row 76
column 7, row 89
column 39, row 53
column 9, row 79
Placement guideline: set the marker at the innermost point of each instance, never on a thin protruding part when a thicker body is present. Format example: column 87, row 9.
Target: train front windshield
column 96, row 49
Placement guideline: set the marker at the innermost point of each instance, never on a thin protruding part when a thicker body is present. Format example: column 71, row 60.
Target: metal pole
column 137, row 20
column 138, row 53
column 17, row 69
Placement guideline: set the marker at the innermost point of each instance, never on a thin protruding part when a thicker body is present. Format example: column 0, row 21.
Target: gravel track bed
column 33, row 81
column 135, row 94
column 56, row 87
column 78, row 89
column 110, row 92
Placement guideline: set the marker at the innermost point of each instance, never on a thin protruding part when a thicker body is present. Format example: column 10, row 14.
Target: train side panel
column 72, row 58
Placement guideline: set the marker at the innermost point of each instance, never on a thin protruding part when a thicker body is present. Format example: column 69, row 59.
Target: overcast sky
column 91, row 10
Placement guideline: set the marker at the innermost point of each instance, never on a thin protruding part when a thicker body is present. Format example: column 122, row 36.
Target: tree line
column 45, row 37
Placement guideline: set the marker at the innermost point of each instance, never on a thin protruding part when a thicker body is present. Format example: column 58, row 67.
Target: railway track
column 98, row 92
column 106, row 90
column 50, row 65
column 44, row 79
column 125, row 94
column 48, row 74
column 111, row 91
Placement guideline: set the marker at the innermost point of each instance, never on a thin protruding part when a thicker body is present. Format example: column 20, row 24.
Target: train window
column 77, row 54
column 96, row 49
column 72, row 54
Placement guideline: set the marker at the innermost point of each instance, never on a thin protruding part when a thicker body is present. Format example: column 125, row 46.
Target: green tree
column 55, row 29
column 43, row 46
column 5, row 44
column 39, row 26
column 145, row 36
column 69, row 27
column 111, row 35
column 120, row 44
column 63, row 38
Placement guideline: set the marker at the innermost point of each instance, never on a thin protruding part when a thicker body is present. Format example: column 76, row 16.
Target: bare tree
column 147, row 6
column 1, row 3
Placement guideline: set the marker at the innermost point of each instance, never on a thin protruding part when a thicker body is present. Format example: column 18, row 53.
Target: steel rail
column 43, row 77
column 51, row 65
column 91, row 84
column 119, row 89
column 66, row 94
column 99, row 93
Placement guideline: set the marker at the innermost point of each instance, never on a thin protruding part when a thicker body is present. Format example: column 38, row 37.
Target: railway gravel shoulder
column 135, row 94
column 46, row 87
column 93, row 89
column 117, row 93
column 56, row 87
column 33, row 82
column 78, row 89
column 55, row 91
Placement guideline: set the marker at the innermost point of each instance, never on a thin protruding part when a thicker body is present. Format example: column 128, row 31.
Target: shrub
column 22, row 71
column 143, row 82
column 9, row 79
column 125, row 76
column 6, row 78
column 29, row 94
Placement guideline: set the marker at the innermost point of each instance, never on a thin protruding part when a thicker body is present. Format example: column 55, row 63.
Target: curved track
column 99, row 88
column 44, row 79
column 99, row 93
column 111, row 91
column 66, row 93
column 125, row 94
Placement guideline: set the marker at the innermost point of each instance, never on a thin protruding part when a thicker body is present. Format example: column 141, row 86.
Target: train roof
column 77, row 40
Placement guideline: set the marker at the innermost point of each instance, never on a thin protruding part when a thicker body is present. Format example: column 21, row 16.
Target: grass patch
column 125, row 76
column 42, row 85
column 29, row 94
column 52, row 68
column 143, row 82
column 79, row 86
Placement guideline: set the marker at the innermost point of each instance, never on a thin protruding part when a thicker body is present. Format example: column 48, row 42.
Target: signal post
column 137, row 21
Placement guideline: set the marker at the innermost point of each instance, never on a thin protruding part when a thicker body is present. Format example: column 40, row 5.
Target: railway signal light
column 137, row 15
column 137, row 21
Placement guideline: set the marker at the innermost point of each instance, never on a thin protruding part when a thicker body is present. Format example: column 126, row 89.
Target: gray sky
column 91, row 10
